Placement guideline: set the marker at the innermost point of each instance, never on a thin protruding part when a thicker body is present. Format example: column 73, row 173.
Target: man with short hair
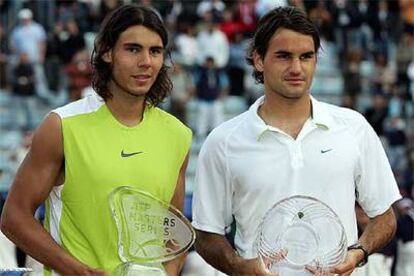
column 288, row 143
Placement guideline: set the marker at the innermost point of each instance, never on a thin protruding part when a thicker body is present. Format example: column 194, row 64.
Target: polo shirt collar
column 320, row 117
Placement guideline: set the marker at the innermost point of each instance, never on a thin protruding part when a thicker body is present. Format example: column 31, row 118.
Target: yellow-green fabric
column 78, row 212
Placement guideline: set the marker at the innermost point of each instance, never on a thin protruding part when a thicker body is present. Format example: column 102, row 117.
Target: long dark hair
column 281, row 17
column 113, row 25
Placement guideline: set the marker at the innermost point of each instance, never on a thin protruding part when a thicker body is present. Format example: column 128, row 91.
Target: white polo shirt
column 246, row 166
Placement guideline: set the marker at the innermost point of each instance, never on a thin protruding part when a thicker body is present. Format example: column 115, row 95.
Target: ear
column 258, row 61
column 107, row 57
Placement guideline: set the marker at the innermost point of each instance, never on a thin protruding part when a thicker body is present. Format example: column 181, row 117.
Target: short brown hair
column 282, row 17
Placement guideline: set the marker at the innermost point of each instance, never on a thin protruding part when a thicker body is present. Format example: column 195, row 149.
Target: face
column 288, row 65
column 136, row 60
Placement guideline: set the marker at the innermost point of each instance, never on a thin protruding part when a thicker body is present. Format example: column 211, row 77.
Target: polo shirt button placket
column 296, row 155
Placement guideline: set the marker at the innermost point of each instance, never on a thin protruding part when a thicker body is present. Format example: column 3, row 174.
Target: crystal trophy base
column 133, row 269
column 15, row 271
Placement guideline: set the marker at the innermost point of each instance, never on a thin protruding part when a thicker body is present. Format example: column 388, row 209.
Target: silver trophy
column 150, row 232
column 299, row 232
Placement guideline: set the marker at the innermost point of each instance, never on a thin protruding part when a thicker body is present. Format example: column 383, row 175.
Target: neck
column 127, row 109
column 288, row 115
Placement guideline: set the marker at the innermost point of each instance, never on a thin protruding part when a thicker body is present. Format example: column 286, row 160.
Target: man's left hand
column 346, row 268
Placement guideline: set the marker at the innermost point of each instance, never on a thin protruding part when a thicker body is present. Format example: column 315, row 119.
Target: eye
column 283, row 56
column 306, row 56
column 156, row 51
column 133, row 50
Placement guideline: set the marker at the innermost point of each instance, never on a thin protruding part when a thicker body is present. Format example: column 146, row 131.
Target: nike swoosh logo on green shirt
column 124, row 154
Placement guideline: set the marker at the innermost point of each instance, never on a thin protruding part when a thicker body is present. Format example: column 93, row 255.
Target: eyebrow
column 132, row 44
column 290, row 53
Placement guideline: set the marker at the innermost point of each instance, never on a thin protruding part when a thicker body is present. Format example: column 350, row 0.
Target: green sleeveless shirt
column 100, row 155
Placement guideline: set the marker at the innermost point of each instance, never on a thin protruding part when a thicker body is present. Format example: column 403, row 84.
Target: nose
column 144, row 59
column 295, row 66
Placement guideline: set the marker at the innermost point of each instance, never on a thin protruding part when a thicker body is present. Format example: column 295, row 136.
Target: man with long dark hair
column 287, row 144
column 86, row 149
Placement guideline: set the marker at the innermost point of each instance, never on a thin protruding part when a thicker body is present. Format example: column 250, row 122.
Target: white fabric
column 214, row 44
column 378, row 265
column 207, row 5
column 56, row 207
column 90, row 103
column 7, row 253
column 210, row 115
column 245, row 167
column 196, row 266
column 187, row 46
column 35, row 266
column 27, row 39
column 405, row 259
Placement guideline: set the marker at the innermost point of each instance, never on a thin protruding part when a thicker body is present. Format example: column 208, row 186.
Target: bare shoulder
column 41, row 168
column 48, row 137
column 43, row 164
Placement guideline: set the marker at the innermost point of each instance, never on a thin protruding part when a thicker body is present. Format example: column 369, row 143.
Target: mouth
column 141, row 77
column 296, row 81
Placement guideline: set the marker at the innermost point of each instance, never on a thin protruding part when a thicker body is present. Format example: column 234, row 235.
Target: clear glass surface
column 300, row 231
column 150, row 231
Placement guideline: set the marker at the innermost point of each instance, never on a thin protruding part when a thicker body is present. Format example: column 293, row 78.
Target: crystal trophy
column 150, row 232
column 300, row 232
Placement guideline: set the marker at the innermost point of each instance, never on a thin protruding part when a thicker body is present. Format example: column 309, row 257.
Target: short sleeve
column 212, row 189
column 376, row 186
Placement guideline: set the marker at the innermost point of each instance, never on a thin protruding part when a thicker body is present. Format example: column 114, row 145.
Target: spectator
column 79, row 74
column 211, row 87
column 182, row 91
column 24, row 94
column 396, row 138
column 213, row 42
column 246, row 16
column 404, row 56
column 408, row 183
column 407, row 15
column 29, row 37
column 229, row 26
column 352, row 73
column 263, row 6
column 403, row 264
column 207, row 7
column 321, row 17
column 3, row 58
column 377, row 113
column 187, row 46
column 69, row 40
column 236, row 66
column 383, row 76
column 346, row 25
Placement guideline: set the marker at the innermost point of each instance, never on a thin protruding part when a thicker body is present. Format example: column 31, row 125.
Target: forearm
column 217, row 251
column 379, row 231
column 32, row 238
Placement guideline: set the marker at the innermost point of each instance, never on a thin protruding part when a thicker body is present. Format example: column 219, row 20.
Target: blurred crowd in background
column 366, row 63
